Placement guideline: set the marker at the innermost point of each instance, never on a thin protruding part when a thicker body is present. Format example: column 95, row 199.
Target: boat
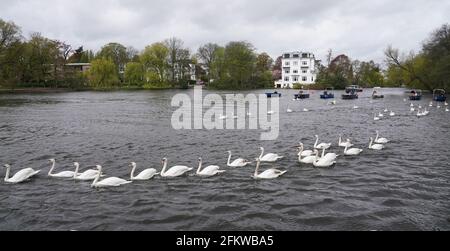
column 356, row 87
column 350, row 93
column 327, row 93
column 273, row 94
column 302, row 95
column 439, row 95
column 415, row 95
column 377, row 93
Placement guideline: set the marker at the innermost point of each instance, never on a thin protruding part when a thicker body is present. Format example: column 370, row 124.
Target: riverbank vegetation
column 40, row 62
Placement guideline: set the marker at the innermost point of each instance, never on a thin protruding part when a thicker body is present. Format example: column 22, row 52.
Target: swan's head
column 261, row 148
column 164, row 160
column 133, row 164
column 200, row 159
column 76, row 164
column 229, row 152
column 52, row 160
column 317, row 136
column 7, row 166
column 99, row 167
column 348, row 140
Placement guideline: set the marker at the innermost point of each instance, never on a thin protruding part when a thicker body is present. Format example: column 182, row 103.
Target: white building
column 297, row 68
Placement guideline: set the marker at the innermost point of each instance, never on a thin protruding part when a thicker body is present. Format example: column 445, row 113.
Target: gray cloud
column 360, row 29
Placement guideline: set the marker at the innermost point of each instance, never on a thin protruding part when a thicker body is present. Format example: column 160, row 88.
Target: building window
column 304, row 79
column 305, row 63
column 305, row 55
column 296, row 56
column 287, row 71
column 295, row 71
column 287, row 64
column 286, row 79
column 287, row 55
column 305, row 71
column 295, row 79
column 295, row 63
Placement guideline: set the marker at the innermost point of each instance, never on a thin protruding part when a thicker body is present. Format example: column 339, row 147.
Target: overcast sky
column 360, row 29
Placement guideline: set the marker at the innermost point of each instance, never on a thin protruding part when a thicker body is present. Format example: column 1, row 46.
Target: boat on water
column 302, row 94
column 415, row 95
column 356, row 87
column 327, row 93
column 273, row 94
column 377, row 94
column 439, row 95
column 350, row 93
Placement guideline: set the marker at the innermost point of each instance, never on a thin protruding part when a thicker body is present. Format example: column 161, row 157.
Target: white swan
column 208, row 171
column 420, row 107
column 386, row 110
column 376, row 146
column 355, row 107
column 305, row 110
column 147, row 174
column 270, row 112
column 392, row 114
column 305, row 153
column 431, row 104
column 328, row 156
column 344, row 144
column 65, row 174
column 20, row 176
column 86, row 176
column 380, row 115
column 412, row 109
column 447, row 110
column 446, row 104
column 289, row 110
column 380, row 140
column 438, row 106
column 238, row 162
column 306, row 159
column 352, row 151
column 175, row 171
column 321, row 146
column 223, row 117
column 376, row 118
column 426, row 112
column 420, row 113
column 270, row 157
column 323, row 162
column 268, row 174
column 108, row 182
column 233, row 116
column 411, row 105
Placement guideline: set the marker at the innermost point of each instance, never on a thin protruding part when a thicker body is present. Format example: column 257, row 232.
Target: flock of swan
column 304, row 156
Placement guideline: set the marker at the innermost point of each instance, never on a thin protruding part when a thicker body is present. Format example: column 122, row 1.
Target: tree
column 134, row 74
column 103, row 73
column 117, row 53
column 239, row 60
column 207, row 54
column 154, row 59
column 178, row 60
column 11, row 48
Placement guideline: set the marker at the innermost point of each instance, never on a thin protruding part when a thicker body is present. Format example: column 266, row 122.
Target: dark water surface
column 404, row 187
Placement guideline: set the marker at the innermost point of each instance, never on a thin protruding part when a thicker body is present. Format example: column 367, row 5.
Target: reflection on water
column 404, row 187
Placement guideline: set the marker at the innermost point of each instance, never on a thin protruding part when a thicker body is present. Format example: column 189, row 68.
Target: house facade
column 297, row 68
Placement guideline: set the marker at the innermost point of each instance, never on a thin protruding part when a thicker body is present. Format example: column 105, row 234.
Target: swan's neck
column 200, row 165
column 132, row 172
column 163, row 171
column 51, row 169
column 317, row 141
column 346, row 148
column 340, row 140
column 229, row 159
column 76, row 171
column 378, row 134
column 317, row 156
column 97, row 178
column 8, row 170
column 262, row 153
column 323, row 152
column 257, row 167
column 371, row 142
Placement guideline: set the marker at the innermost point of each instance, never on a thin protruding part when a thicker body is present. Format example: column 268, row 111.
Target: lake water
column 404, row 187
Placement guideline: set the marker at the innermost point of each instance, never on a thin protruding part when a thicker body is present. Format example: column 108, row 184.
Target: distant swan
column 208, row 171
column 352, row 151
column 270, row 112
column 328, row 156
column 65, row 174
column 147, row 174
column 321, row 146
column 380, row 140
column 270, row 157
column 323, row 162
column 305, row 110
column 305, row 153
column 238, row 162
column 447, row 110
column 386, row 110
column 223, row 117
column 20, row 176
column 268, row 174
column 86, row 176
column 376, row 146
column 431, row 104
column 108, row 182
column 392, row 114
column 175, row 171
column 344, row 143
column 376, row 118
column 305, row 159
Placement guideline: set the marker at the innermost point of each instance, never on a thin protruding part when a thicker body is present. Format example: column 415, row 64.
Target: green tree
column 103, row 74
column 154, row 59
column 134, row 74
column 239, row 62
column 11, row 48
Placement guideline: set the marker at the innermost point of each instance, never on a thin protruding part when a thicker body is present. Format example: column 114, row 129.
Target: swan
column 376, row 146
column 332, row 102
column 447, row 110
column 208, row 171
column 376, row 118
column 328, row 156
column 86, row 176
column 147, row 174
column 306, row 159
column 323, row 162
column 412, row 105
column 438, row 107
column 380, row 115
column 392, row 114
column 426, row 112
column 233, row 116
column 238, row 162
column 175, row 171
column 223, row 117
column 446, row 104
column 305, row 153
column 249, row 114
column 270, row 112
column 386, row 110
column 420, row 107
column 321, row 145
column 268, row 174
column 352, row 151
column 420, row 114
column 289, row 110
column 380, row 140
column 108, row 182
column 65, row 174
column 412, row 109
column 355, row 107
column 270, row 157
column 344, row 144
column 20, row 176
column 305, row 110
column 431, row 104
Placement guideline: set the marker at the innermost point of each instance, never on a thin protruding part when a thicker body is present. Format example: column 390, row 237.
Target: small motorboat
column 273, row 94
column 302, row 95
column 356, row 87
column 350, row 93
column 328, row 93
column 377, row 93
column 439, row 95
column 415, row 95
